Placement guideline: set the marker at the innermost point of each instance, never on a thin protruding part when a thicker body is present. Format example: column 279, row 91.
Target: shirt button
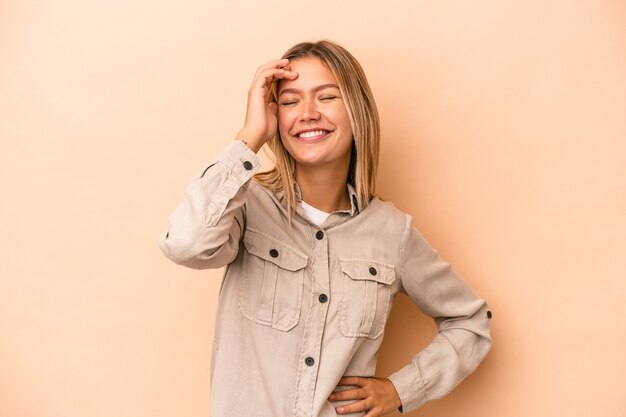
column 319, row 235
column 274, row 253
column 323, row 298
column 247, row 165
column 309, row 361
column 373, row 270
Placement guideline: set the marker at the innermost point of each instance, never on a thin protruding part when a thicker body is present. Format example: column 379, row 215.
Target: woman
column 314, row 259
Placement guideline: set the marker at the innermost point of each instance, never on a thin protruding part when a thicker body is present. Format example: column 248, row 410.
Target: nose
column 309, row 111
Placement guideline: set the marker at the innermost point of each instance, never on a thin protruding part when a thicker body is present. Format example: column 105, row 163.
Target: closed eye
column 328, row 98
column 288, row 103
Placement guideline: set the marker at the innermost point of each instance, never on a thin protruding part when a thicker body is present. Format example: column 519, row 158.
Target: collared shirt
column 301, row 307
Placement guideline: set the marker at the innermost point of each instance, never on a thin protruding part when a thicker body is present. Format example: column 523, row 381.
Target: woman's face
column 312, row 117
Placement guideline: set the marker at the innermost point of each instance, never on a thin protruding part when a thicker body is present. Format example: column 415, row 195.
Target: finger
column 353, row 380
column 354, row 407
column 279, row 73
column 276, row 63
column 349, row 394
column 271, row 74
column 374, row 412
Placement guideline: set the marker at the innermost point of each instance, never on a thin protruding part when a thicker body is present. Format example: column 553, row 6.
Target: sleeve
column 463, row 324
column 205, row 229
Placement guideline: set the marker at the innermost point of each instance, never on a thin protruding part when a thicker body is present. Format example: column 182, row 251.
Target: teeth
column 312, row 133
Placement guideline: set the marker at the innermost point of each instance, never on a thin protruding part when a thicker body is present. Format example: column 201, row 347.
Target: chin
column 307, row 156
column 309, row 161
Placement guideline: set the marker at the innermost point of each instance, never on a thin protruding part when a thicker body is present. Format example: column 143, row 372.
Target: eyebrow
column 318, row 88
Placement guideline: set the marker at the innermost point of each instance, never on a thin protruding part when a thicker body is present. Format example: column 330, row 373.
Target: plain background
column 504, row 135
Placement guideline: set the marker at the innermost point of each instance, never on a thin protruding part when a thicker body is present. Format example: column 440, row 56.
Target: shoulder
column 387, row 222
column 386, row 212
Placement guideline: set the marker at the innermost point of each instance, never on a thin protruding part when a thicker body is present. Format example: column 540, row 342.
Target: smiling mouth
column 312, row 134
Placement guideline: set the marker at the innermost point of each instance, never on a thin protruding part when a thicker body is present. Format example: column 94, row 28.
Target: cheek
column 283, row 129
column 283, row 122
column 340, row 115
column 346, row 126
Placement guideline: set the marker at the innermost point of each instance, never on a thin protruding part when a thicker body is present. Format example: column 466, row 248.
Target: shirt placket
column 309, row 361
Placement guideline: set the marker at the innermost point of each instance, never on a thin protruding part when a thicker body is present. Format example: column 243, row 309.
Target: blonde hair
column 364, row 121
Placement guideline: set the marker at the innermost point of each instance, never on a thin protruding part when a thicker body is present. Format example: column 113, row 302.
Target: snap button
column 247, row 165
column 323, row 298
column 309, row 361
column 373, row 270
column 273, row 253
column 319, row 235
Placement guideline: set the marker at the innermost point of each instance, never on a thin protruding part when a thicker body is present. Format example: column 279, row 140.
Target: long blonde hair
column 364, row 121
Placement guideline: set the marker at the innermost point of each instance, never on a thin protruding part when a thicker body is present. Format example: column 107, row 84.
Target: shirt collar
column 354, row 201
column 354, row 206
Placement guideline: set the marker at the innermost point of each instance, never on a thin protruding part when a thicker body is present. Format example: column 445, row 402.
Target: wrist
column 251, row 140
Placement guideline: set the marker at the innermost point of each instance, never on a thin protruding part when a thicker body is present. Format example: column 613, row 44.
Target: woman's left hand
column 377, row 396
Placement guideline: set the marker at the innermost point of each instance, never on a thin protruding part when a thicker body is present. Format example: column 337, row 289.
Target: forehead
column 312, row 72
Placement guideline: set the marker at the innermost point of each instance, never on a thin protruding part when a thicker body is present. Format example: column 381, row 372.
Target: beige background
column 503, row 135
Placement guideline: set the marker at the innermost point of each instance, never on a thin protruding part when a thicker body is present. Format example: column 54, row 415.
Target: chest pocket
column 365, row 297
column 271, row 290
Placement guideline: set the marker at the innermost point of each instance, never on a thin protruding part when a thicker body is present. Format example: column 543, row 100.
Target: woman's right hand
column 261, row 122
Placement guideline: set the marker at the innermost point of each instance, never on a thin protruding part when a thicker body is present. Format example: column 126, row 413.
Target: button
column 273, row 253
column 319, row 235
column 373, row 270
column 309, row 361
column 323, row 298
column 248, row 165
column 488, row 314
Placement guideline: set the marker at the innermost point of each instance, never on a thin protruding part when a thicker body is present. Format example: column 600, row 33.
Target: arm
column 461, row 342
column 204, row 230
column 463, row 324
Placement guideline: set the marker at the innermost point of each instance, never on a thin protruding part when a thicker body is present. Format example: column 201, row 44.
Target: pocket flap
column 363, row 269
column 273, row 250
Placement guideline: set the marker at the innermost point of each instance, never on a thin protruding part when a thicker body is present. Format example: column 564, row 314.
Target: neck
column 324, row 187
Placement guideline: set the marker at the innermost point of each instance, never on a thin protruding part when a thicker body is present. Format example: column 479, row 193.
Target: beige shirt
column 299, row 308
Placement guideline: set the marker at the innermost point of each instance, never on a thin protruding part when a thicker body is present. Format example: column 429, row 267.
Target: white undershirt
column 315, row 215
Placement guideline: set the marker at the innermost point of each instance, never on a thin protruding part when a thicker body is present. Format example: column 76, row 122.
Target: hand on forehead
column 312, row 75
